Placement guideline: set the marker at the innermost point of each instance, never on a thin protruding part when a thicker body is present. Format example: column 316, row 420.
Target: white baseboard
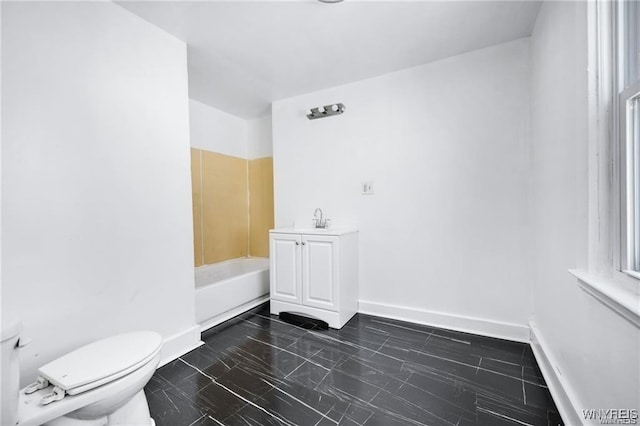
column 561, row 391
column 501, row 330
column 219, row 319
column 173, row 347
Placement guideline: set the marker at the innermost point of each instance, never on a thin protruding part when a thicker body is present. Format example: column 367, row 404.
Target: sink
column 312, row 230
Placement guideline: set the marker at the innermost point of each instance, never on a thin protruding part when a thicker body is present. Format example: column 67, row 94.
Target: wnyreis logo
column 612, row 416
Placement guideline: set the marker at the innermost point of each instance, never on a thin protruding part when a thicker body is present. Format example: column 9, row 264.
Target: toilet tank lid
column 11, row 327
column 111, row 357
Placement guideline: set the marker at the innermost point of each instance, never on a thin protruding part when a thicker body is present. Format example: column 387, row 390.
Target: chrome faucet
column 319, row 222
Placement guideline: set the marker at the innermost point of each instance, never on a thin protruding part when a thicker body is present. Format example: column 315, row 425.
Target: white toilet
column 96, row 385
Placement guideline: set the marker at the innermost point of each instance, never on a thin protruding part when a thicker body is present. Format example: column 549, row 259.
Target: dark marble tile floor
column 258, row 370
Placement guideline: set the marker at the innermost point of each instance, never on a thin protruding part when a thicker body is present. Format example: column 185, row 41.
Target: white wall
column 594, row 351
column 259, row 137
column 216, row 131
column 445, row 237
column 95, row 178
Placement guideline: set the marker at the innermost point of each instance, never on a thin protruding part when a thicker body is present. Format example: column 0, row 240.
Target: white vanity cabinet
column 314, row 272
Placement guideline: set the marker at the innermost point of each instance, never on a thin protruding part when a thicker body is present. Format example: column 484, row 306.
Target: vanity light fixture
column 325, row 111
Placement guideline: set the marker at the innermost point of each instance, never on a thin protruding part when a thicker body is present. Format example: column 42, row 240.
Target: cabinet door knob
column 303, row 243
column 297, row 243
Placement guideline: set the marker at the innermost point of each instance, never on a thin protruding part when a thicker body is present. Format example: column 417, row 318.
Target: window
column 628, row 113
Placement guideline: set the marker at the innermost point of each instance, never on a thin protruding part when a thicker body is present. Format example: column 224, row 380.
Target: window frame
column 629, row 180
column 626, row 157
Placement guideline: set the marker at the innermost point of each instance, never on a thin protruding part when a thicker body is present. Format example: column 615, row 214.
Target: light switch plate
column 367, row 187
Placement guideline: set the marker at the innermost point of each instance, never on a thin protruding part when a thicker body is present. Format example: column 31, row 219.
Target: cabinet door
column 320, row 271
column 285, row 267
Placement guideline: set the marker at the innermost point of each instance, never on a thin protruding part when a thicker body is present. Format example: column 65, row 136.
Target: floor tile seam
column 503, row 361
column 404, row 327
column 366, row 420
column 237, row 395
column 271, row 380
column 381, row 346
column 527, row 410
column 370, row 406
column 264, row 376
column 448, row 359
column 490, row 395
column 324, row 415
column 353, row 399
column 258, row 361
column 343, row 414
column 310, row 358
column 287, row 351
column 355, row 377
column 249, row 360
column 408, row 367
column 315, row 388
column 171, row 401
column 524, row 350
column 406, row 419
column 434, row 395
column 478, row 367
column 223, row 363
column 294, row 370
column 403, row 346
column 464, row 342
column 473, row 415
column 356, row 346
column 426, row 342
column 406, row 401
column 190, row 397
column 478, row 387
column 159, row 389
column 484, row 389
column 218, row 421
column 504, row 417
column 359, row 361
column 352, row 377
column 199, row 418
column 211, row 412
column 175, row 383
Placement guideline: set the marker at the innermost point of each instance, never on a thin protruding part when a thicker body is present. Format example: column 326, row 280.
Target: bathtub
column 226, row 289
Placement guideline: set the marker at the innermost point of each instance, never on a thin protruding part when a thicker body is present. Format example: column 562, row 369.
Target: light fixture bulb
column 321, row 109
column 335, row 108
column 309, row 112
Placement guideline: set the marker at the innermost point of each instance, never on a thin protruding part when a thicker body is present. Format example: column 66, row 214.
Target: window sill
column 632, row 274
column 611, row 294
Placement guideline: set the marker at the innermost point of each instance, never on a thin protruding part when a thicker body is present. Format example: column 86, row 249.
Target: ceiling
column 244, row 55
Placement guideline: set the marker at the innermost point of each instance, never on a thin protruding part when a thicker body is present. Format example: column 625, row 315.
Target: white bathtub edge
column 176, row 345
column 229, row 279
column 215, row 300
column 225, row 316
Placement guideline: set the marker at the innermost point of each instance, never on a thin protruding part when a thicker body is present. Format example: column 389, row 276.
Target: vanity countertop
column 316, row 231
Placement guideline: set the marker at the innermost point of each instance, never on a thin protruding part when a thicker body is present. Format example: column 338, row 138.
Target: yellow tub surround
column 232, row 206
column 260, row 205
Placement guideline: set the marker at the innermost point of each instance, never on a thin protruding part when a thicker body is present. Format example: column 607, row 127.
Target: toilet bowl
column 98, row 384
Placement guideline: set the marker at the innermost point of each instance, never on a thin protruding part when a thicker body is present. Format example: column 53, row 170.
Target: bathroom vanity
column 314, row 272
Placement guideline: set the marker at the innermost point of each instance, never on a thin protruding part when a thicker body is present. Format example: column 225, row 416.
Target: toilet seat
column 31, row 412
column 101, row 362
